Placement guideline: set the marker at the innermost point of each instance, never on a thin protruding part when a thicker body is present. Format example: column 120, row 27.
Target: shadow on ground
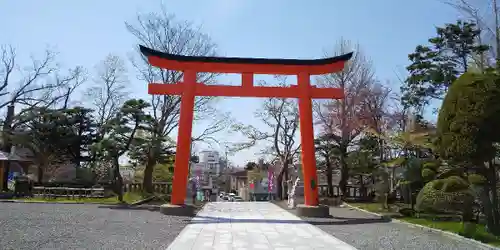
column 130, row 207
column 324, row 221
column 147, row 207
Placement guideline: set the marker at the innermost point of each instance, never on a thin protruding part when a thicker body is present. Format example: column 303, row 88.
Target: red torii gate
column 189, row 88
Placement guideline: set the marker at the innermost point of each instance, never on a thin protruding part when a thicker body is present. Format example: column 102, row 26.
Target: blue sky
column 84, row 32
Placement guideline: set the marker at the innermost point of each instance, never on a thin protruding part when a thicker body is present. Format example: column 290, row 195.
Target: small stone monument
column 291, row 195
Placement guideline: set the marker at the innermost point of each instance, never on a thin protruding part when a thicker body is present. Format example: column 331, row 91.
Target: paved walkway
column 252, row 225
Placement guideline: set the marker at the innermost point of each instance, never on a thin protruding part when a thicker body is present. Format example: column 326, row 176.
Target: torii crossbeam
column 247, row 67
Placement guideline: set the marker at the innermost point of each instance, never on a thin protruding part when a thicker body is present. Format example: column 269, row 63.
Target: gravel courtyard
column 59, row 226
column 368, row 232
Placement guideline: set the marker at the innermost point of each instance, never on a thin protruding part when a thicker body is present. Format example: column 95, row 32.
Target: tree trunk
column 7, row 145
column 344, row 174
column 279, row 187
column 329, row 178
column 393, row 179
column 42, row 166
column 285, row 187
column 39, row 174
column 279, row 181
column 118, row 179
column 147, row 181
column 492, row 196
column 410, row 191
column 488, row 209
column 363, row 191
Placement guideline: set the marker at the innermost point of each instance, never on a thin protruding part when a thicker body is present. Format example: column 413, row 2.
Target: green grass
column 480, row 233
column 129, row 197
column 372, row 207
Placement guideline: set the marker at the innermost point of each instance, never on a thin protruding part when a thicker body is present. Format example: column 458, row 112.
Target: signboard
column 255, row 175
column 270, row 180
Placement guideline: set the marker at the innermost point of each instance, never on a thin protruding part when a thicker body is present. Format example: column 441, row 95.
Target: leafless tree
column 282, row 118
column 376, row 106
column 161, row 31
column 376, row 115
column 344, row 120
column 108, row 92
column 36, row 85
column 68, row 84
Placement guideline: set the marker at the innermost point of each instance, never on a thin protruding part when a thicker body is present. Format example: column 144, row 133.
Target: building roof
column 4, row 156
column 242, row 173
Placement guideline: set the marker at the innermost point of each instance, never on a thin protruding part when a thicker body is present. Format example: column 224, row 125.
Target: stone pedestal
column 320, row 211
column 177, row 210
column 335, row 201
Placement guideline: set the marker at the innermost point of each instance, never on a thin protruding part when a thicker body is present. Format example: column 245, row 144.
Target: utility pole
column 191, row 155
column 225, row 156
column 497, row 32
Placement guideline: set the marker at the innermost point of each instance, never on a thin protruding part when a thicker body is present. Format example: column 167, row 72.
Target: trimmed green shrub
column 476, row 179
column 445, row 195
column 432, row 165
column 468, row 120
column 437, row 184
column 428, row 174
column 450, row 171
column 454, row 184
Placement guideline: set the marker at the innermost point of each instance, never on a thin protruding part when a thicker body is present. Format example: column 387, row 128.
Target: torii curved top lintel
column 245, row 65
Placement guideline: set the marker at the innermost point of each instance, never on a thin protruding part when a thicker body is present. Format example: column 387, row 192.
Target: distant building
column 238, row 180
column 208, row 169
column 211, row 161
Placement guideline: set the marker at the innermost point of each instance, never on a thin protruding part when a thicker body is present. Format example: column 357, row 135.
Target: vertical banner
column 270, row 179
column 198, row 172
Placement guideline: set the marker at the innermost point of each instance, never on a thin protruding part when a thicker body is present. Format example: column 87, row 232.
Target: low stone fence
column 158, row 187
column 54, row 192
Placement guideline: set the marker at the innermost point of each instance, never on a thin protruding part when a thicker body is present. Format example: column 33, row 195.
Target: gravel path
column 59, row 226
column 368, row 232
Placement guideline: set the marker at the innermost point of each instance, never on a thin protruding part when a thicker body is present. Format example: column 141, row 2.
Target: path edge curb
column 54, row 202
column 190, row 221
column 430, row 229
column 48, row 202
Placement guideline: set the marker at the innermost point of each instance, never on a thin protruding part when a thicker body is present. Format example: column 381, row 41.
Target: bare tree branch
column 218, row 124
column 59, row 92
column 8, row 59
column 343, row 121
column 29, row 89
column 282, row 117
column 69, row 83
column 163, row 32
column 108, row 92
column 485, row 13
column 345, row 117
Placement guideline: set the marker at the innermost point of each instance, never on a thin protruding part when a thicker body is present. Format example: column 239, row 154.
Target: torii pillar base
column 319, row 211
column 178, row 210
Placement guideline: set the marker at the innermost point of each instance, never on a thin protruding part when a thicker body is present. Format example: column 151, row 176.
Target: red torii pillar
column 189, row 89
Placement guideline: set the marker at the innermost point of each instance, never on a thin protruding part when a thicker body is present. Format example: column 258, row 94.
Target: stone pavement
column 252, row 225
